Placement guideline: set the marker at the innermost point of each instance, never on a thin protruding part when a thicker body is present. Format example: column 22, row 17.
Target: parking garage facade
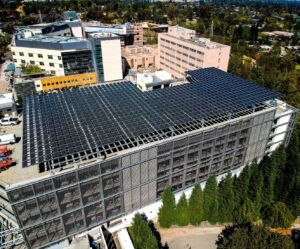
column 74, row 197
column 70, row 202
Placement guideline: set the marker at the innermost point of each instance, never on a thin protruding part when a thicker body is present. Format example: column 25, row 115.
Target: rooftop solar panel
column 103, row 119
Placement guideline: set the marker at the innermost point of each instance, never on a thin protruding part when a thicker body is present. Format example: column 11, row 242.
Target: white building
column 7, row 104
column 151, row 81
column 107, row 56
column 56, row 54
column 63, row 56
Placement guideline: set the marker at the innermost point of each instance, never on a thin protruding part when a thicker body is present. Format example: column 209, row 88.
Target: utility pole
column 212, row 29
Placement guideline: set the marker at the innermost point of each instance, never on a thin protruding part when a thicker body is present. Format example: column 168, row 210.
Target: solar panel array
column 64, row 127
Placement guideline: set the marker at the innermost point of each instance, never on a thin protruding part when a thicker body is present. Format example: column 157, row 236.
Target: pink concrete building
column 180, row 50
column 135, row 57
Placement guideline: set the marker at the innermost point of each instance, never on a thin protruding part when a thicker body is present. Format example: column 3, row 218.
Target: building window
column 13, row 53
column 30, row 54
column 32, row 62
column 60, row 65
column 51, row 64
column 52, row 72
column 21, row 54
column 15, row 60
column 42, row 63
column 40, row 55
column 23, row 61
column 50, row 57
column 59, row 57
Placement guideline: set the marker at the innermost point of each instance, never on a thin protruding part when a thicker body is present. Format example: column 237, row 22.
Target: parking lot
column 17, row 147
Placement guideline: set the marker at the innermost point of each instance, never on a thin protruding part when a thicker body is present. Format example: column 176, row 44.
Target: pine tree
column 182, row 211
column 256, row 187
column 294, row 199
column 241, row 184
column 166, row 214
column 196, row 206
column 279, row 162
column 141, row 234
column 226, row 199
column 244, row 212
column 291, row 176
column 277, row 216
column 210, row 200
column 269, row 175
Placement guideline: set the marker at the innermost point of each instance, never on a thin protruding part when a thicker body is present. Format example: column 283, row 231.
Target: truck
column 7, row 139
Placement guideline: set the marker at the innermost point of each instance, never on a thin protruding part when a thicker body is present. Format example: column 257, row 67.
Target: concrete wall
column 112, row 61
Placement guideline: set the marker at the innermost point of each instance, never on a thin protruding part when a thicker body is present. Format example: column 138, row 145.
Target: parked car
column 9, row 121
column 7, row 139
column 5, row 163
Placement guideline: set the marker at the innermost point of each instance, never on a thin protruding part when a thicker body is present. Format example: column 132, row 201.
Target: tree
column 256, row 187
column 167, row 214
column 269, row 174
column 210, row 200
column 141, row 234
column 279, row 162
column 277, row 216
column 31, row 69
column 241, row 184
column 226, row 200
column 244, row 212
column 196, row 206
column 292, row 176
column 252, row 237
column 182, row 211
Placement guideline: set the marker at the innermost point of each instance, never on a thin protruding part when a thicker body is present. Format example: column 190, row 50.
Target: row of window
column 184, row 54
column 182, row 60
column 50, row 57
column 182, row 46
column 170, row 67
column 67, row 81
column 41, row 63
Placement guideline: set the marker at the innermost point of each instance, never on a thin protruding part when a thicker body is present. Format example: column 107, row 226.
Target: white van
column 7, row 139
column 9, row 121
